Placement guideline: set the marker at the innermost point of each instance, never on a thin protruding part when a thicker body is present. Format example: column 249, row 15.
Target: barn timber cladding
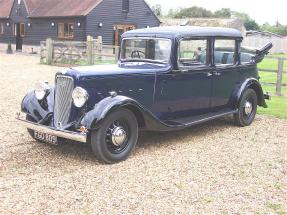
column 71, row 19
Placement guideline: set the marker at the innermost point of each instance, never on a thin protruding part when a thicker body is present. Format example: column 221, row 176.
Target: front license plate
column 46, row 137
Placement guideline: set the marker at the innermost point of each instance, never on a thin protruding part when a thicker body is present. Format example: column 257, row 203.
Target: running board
column 189, row 121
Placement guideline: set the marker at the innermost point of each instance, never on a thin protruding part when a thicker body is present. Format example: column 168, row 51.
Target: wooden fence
column 72, row 52
column 280, row 72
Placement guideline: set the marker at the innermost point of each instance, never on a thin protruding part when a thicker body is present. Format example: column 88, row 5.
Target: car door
column 186, row 91
column 225, row 73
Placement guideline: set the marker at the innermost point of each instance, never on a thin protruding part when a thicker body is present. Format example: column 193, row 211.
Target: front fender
column 256, row 86
column 93, row 119
column 31, row 106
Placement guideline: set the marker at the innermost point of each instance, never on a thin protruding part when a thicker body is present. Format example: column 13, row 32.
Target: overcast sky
column 260, row 10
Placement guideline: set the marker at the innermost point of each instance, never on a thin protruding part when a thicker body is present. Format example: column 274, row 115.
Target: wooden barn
column 24, row 23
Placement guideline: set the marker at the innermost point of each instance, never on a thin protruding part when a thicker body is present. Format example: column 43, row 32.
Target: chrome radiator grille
column 63, row 100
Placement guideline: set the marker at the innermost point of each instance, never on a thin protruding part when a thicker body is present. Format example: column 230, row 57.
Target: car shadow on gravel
column 151, row 139
column 79, row 151
column 30, row 153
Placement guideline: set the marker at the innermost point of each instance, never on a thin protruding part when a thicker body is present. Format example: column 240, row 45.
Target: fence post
column 90, row 50
column 279, row 76
column 100, row 47
column 116, row 53
column 49, row 51
column 70, row 52
column 41, row 52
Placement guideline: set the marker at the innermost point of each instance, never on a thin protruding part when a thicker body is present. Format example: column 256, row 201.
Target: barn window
column 66, row 30
column 125, row 6
column 2, row 28
column 22, row 29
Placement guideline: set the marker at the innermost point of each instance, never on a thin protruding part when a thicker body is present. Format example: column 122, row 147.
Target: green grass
column 277, row 208
column 278, row 105
column 268, row 63
column 270, row 77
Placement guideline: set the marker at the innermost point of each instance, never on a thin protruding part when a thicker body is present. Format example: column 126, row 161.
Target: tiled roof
column 5, row 8
column 51, row 8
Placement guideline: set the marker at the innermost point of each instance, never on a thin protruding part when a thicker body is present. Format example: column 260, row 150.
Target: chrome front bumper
column 76, row 136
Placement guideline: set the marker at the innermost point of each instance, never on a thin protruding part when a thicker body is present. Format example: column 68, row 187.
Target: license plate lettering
column 45, row 137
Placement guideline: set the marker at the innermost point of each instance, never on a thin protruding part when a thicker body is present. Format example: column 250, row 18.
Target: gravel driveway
column 213, row 168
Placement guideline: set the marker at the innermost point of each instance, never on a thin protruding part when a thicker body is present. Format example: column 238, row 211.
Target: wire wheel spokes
column 117, row 136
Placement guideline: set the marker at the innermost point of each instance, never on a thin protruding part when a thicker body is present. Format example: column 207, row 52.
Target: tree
column 277, row 28
column 250, row 24
column 191, row 12
column 243, row 16
column 157, row 9
column 223, row 13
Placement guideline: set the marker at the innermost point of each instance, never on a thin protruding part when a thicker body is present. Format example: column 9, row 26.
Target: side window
column 246, row 55
column 224, row 52
column 192, row 52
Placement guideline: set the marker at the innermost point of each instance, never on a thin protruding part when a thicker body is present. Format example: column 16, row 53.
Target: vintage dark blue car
column 167, row 78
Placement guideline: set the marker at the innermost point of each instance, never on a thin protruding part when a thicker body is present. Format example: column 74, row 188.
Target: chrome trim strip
column 79, row 137
column 212, row 117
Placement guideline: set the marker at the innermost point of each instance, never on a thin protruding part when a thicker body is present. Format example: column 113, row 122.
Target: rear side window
column 246, row 55
column 224, row 52
column 192, row 52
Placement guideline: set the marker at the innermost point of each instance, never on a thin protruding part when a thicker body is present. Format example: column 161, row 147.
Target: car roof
column 180, row 31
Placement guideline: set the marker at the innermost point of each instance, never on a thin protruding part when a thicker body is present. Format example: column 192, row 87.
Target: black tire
column 246, row 114
column 104, row 143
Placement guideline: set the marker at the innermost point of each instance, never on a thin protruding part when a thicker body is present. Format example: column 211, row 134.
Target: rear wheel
column 116, row 138
column 247, row 108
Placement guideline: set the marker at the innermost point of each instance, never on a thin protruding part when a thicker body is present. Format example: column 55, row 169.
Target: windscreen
column 146, row 49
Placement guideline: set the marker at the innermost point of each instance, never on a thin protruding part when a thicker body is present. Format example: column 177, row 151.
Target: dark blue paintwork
column 184, row 31
column 162, row 96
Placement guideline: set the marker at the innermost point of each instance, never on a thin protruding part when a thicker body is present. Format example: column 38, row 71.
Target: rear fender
column 256, row 86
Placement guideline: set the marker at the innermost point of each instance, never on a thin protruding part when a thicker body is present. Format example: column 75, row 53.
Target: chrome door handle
column 217, row 73
column 209, row 74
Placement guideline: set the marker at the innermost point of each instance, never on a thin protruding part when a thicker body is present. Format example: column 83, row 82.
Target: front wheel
column 247, row 108
column 116, row 138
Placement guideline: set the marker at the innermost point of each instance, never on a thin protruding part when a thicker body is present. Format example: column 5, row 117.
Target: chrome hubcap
column 119, row 136
column 248, row 108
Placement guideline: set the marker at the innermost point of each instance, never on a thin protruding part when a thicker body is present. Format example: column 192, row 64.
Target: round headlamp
column 80, row 97
column 41, row 90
